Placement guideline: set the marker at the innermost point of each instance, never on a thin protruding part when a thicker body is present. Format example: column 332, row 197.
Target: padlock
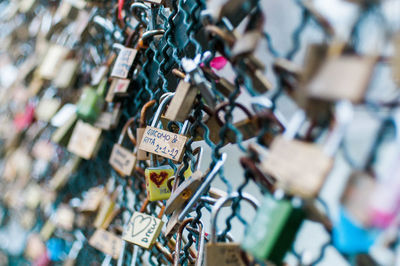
column 143, row 155
column 157, row 179
column 85, row 140
column 52, row 61
column 357, row 197
column 68, row 10
column 109, row 118
column 309, row 163
column 143, row 229
column 351, row 237
column 92, row 199
column 182, row 102
column 247, row 127
column 196, row 77
column 222, row 253
column 274, row 228
column 64, row 217
column 63, row 134
column 236, row 10
column 66, row 75
column 338, row 74
column 183, row 191
column 222, row 84
column 255, row 70
column 91, row 102
column 211, row 174
column 125, row 57
column 162, row 142
column 47, row 108
column 26, row 5
column 107, row 210
column 122, row 160
column 56, row 52
column 118, row 87
column 200, row 244
column 106, row 242
column 246, row 44
column 34, row 247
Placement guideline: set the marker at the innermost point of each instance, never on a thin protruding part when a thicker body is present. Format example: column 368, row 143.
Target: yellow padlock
column 157, row 182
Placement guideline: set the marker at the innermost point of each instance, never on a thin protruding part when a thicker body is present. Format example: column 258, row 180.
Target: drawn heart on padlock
column 139, row 224
column 158, row 179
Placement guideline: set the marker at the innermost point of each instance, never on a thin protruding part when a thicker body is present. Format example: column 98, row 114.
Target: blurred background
column 371, row 31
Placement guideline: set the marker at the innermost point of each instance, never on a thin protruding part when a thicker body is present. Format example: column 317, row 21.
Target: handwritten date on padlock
column 142, row 230
column 163, row 143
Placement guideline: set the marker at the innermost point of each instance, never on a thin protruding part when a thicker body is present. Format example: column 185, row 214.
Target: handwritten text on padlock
column 163, row 143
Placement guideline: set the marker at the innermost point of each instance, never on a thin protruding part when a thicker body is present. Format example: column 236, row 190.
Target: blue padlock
column 350, row 237
column 56, row 249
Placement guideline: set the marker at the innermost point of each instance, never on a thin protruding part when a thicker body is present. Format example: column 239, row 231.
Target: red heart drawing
column 158, row 179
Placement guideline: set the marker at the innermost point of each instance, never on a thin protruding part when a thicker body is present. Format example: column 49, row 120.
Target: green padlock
column 274, row 228
column 91, row 102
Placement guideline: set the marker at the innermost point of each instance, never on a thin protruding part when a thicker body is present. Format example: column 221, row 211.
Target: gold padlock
column 143, row 229
column 122, row 160
column 85, row 140
column 222, row 253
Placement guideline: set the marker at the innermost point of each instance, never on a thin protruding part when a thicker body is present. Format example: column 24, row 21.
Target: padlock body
column 157, row 182
column 89, row 105
column 273, row 230
column 223, row 254
column 142, row 230
column 122, row 160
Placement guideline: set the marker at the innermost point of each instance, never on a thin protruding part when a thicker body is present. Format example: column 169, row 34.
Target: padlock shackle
column 199, row 152
column 151, row 33
column 143, row 113
column 220, row 203
column 124, row 130
column 146, row 202
column 202, row 189
column 271, row 112
column 257, row 175
column 166, row 98
column 141, row 7
column 199, row 259
column 220, row 33
column 222, row 106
